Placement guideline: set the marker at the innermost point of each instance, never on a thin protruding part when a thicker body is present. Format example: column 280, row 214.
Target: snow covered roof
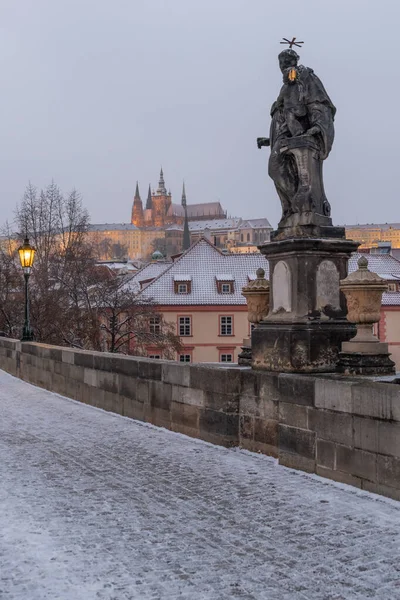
column 148, row 273
column 202, row 262
column 255, row 224
column 225, row 277
column 384, row 264
column 182, row 277
column 197, row 210
column 214, row 224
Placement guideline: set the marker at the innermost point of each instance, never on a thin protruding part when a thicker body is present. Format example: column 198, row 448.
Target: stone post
column 257, row 297
column 364, row 354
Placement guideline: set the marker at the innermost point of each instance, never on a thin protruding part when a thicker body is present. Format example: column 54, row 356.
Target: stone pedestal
column 306, row 323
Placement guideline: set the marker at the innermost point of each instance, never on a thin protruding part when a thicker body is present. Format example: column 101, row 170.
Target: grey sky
column 99, row 93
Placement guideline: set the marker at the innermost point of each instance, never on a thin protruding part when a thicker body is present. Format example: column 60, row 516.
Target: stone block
column 56, row 354
column 127, row 386
column 104, row 361
column 338, row 476
column 126, row 365
column 67, row 356
column 176, row 374
column 189, row 431
column 185, row 414
column 227, row 403
column 157, row 416
column 376, row 399
column 296, row 389
column 266, row 432
column 160, row 394
column 389, row 438
column 383, row 490
column 150, row 368
column 219, row 423
column 366, row 434
column 295, row 461
column 246, row 428
column 297, row 441
column 333, row 394
column 188, row 396
column 326, row 454
column 84, row 359
column 107, row 381
column 133, row 408
column 294, row 415
column 215, row 379
column 90, row 377
column 356, row 462
column 332, row 426
column 389, row 471
column 142, row 391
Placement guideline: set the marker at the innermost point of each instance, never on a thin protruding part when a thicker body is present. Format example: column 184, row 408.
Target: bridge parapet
column 343, row 428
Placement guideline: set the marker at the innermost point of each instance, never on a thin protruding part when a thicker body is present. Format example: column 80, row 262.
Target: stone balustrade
column 343, row 428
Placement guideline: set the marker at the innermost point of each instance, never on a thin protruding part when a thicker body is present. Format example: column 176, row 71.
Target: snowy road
column 95, row 506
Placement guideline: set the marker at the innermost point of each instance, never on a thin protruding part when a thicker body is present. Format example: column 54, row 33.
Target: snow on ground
column 95, row 506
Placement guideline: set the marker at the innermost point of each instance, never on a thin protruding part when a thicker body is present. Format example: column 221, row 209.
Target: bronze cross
column 292, row 42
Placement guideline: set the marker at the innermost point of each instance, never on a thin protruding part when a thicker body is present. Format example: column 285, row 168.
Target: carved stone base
column 311, row 347
column 356, row 363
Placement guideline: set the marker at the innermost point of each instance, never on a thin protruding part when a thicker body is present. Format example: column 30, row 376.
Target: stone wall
column 347, row 429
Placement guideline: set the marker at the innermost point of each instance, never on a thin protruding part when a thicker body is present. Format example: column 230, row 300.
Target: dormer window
column 225, row 283
column 182, row 284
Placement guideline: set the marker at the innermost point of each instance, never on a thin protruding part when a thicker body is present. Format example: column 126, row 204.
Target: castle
column 160, row 211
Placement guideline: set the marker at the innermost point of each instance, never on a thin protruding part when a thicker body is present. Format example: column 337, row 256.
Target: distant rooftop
column 113, row 227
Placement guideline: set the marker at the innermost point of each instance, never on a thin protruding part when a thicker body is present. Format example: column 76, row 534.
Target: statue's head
column 288, row 58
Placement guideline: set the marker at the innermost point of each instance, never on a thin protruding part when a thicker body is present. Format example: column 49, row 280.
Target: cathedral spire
column 149, row 204
column 183, row 202
column 161, row 185
column 137, row 209
column 186, row 232
column 137, row 195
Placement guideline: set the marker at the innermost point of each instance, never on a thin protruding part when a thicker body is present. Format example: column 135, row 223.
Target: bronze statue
column 301, row 138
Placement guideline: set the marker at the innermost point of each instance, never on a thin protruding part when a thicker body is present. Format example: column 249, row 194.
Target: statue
column 301, row 138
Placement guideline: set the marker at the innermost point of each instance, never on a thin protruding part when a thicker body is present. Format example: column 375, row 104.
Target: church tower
column 186, row 232
column 137, row 209
column 161, row 202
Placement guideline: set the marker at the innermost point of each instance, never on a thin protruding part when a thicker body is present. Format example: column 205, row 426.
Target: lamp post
column 26, row 256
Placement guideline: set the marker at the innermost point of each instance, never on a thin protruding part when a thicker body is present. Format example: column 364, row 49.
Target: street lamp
column 26, row 256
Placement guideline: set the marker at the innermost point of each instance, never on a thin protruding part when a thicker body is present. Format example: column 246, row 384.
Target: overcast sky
column 97, row 94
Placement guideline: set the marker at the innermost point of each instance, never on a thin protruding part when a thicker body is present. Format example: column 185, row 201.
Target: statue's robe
column 320, row 110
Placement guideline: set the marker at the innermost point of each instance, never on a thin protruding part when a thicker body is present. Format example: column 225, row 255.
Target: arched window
column 248, row 237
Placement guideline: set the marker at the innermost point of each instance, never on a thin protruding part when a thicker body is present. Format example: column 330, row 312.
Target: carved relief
column 282, row 288
column 327, row 285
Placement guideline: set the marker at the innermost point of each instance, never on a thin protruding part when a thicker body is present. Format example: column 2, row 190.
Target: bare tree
column 131, row 323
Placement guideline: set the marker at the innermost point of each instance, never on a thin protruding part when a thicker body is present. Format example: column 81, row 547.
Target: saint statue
column 301, row 138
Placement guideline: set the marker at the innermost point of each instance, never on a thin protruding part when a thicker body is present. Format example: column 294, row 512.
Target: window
column 154, row 356
column 248, row 237
column 182, row 288
column 155, row 326
column 226, row 325
column 225, row 288
column 185, row 358
column 185, row 326
column 251, row 327
column 225, row 358
column 392, row 287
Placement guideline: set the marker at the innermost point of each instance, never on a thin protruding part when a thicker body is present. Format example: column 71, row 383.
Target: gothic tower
column 137, row 209
column 186, row 232
column 161, row 202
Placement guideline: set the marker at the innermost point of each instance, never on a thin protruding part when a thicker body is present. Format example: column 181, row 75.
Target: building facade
column 370, row 235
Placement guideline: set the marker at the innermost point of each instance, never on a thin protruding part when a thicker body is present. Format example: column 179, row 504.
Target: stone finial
column 363, row 290
column 256, row 293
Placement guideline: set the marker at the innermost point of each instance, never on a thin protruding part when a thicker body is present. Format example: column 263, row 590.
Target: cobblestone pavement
column 96, row 506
